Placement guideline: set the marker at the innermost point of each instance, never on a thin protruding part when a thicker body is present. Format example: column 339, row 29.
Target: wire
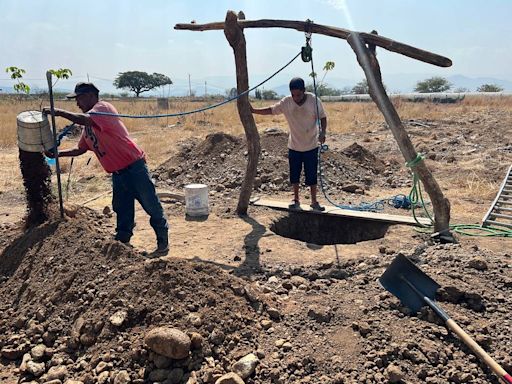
column 200, row 109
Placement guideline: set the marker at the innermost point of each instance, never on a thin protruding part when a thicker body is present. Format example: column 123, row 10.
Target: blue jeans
column 134, row 183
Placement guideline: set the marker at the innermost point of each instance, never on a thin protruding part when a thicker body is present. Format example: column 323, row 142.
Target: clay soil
column 311, row 310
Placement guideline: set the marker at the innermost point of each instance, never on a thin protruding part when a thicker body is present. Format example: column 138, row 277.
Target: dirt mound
column 76, row 306
column 63, row 281
column 221, row 159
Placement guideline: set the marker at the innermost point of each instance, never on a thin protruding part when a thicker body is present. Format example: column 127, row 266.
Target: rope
column 475, row 230
column 364, row 206
column 196, row 110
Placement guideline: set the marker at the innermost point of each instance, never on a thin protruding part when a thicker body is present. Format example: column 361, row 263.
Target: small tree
column 139, row 82
column 489, row 88
column 17, row 74
column 433, row 85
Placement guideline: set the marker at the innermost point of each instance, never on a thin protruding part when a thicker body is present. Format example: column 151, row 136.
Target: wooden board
column 334, row 211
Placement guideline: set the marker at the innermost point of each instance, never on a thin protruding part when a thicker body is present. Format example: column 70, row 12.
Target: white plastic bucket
column 196, row 200
column 34, row 133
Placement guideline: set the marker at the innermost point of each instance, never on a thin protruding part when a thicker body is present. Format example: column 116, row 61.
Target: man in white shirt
column 302, row 111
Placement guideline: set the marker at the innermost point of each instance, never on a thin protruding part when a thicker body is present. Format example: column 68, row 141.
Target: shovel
column 415, row 290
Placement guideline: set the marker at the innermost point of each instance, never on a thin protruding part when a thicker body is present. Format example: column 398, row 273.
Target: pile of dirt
column 220, row 161
column 75, row 307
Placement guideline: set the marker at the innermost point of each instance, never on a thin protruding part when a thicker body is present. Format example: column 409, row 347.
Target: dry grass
column 158, row 136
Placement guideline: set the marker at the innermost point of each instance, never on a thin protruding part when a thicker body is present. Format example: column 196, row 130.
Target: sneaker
column 317, row 207
column 294, row 205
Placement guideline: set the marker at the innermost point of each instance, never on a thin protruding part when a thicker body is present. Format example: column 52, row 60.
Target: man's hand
column 48, row 111
column 321, row 137
column 50, row 153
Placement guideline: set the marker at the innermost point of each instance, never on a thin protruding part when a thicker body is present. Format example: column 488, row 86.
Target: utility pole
column 205, row 93
column 189, row 87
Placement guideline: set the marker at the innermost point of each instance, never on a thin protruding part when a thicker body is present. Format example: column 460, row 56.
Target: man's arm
column 66, row 153
column 77, row 118
column 323, row 130
column 261, row 111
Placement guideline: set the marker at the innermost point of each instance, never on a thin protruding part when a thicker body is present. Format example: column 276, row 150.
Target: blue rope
column 196, row 110
column 376, row 205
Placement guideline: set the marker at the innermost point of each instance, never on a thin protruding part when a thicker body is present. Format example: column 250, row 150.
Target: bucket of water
column 34, row 133
column 196, row 200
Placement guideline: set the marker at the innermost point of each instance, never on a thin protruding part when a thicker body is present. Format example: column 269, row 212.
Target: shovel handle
column 482, row 355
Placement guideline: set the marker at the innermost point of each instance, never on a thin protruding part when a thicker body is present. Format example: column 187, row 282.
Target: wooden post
column 235, row 36
column 370, row 65
column 380, row 41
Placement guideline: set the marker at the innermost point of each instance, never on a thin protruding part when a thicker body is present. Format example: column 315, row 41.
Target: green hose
column 416, row 198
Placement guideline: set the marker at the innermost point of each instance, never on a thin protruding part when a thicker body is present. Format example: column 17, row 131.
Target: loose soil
column 310, row 313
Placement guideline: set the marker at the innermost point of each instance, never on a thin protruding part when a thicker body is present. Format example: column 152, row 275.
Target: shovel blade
column 409, row 283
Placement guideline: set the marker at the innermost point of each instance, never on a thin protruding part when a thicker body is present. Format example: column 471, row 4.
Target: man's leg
column 295, row 164
column 311, row 170
column 145, row 193
column 313, row 193
column 123, row 203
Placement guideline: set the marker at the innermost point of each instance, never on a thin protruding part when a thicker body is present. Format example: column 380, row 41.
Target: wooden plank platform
column 334, row 211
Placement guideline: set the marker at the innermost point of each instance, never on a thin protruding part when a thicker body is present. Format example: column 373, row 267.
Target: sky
column 98, row 39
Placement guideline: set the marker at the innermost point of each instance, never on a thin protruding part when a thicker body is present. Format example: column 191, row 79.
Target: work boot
column 161, row 250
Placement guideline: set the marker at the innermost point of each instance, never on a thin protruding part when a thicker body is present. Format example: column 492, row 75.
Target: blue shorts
column 310, row 161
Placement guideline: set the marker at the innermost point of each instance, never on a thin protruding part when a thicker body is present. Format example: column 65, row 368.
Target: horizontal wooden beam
column 303, row 26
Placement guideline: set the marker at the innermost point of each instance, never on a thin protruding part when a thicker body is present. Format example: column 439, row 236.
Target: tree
column 17, row 74
column 361, row 88
column 323, row 90
column 269, row 94
column 489, row 88
column 433, row 85
column 139, row 82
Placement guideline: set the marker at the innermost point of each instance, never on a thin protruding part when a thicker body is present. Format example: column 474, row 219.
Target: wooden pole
column 235, row 36
column 368, row 61
column 380, row 41
column 55, row 149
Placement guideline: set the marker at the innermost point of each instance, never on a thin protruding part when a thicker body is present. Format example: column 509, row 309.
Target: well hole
column 327, row 230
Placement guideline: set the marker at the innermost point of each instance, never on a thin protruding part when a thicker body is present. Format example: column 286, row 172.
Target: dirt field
column 76, row 306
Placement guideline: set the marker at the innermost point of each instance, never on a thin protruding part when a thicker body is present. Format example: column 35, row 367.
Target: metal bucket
column 34, row 133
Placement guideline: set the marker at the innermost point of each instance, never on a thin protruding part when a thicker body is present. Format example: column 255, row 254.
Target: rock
column 196, row 341
column 230, row 378
column 12, row 353
column 169, row 342
column 478, row 264
column 246, row 365
column 319, row 313
column 122, row 377
column 36, row 369
column 118, row 318
column 266, row 324
column 217, row 337
column 274, row 313
column 58, row 372
column 38, row 351
column 394, row 374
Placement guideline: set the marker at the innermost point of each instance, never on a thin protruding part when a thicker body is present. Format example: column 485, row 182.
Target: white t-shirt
column 301, row 121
